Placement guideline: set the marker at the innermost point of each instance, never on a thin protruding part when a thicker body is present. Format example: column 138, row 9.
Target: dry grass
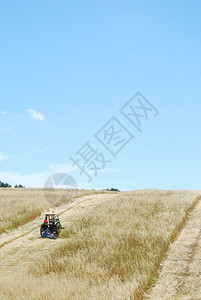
column 61, row 196
column 20, row 206
column 111, row 253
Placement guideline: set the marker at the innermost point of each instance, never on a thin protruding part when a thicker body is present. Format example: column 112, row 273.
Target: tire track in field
column 180, row 277
column 21, row 249
column 10, row 237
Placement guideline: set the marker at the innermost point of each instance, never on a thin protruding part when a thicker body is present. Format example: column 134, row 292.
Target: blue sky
column 67, row 67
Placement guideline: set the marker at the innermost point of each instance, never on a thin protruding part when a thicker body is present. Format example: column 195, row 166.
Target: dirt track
column 20, row 246
column 180, row 277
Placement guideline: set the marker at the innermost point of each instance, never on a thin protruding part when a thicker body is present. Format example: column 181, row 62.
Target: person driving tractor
column 45, row 224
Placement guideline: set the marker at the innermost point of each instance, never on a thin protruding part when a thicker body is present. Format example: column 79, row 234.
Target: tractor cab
column 51, row 218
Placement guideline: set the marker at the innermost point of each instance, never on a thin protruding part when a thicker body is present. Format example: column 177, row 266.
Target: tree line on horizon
column 7, row 185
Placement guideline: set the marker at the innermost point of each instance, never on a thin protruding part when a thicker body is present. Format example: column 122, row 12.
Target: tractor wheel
column 41, row 231
column 58, row 228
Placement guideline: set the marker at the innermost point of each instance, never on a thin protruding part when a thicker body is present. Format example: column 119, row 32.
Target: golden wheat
column 113, row 252
column 20, row 206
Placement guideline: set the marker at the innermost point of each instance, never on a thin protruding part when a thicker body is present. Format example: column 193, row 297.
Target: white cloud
column 2, row 156
column 29, row 180
column 5, row 129
column 3, row 112
column 41, row 151
column 35, row 115
column 35, row 180
column 56, row 168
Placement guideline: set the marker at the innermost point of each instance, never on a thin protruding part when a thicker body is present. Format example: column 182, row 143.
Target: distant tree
column 113, row 190
column 19, row 186
column 4, row 185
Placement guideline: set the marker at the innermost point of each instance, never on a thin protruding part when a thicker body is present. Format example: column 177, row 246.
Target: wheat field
column 20, row 206
column 110, row 252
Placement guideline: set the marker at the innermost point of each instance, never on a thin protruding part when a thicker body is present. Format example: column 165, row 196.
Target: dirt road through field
column 20, row 246
column 180, row 277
